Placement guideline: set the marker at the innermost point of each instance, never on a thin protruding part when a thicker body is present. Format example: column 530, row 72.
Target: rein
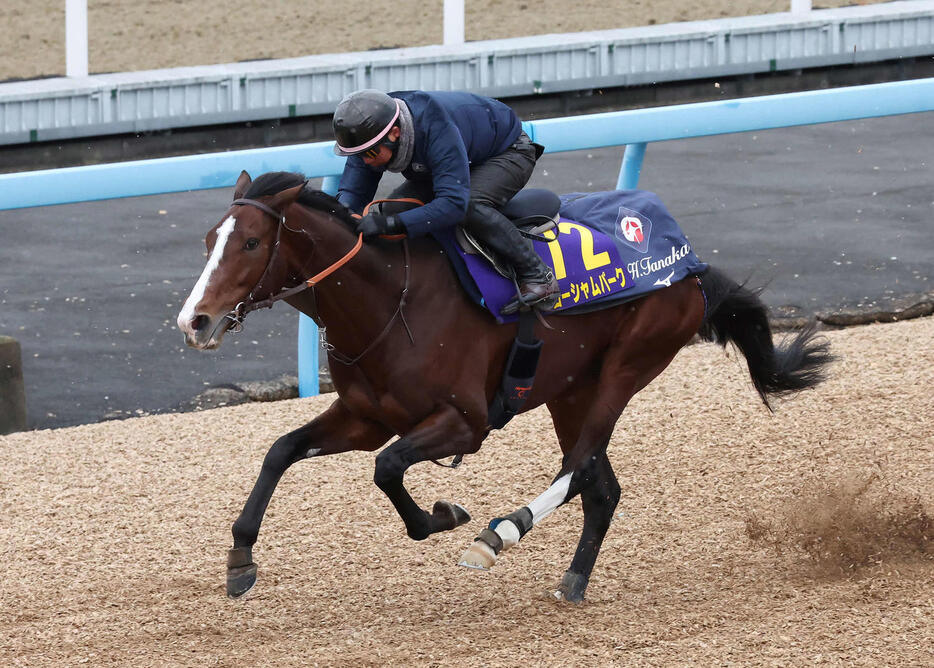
column 350, row 361
column 241, row 310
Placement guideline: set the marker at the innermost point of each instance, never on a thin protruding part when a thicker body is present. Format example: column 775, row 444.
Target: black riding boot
column 537, row 284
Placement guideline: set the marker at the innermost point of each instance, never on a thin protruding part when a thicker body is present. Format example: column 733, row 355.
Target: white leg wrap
column 509, row 532
column 546, row 503
column 481, row 556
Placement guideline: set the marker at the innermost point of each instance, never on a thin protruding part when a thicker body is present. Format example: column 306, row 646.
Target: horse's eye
column 251, row 244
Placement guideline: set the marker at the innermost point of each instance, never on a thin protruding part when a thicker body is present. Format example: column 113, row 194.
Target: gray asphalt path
column 829, row 216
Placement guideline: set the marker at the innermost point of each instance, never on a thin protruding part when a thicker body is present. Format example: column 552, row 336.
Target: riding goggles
column 373, row 151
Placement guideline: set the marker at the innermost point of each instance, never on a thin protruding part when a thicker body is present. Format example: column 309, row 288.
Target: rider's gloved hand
column 374, row 224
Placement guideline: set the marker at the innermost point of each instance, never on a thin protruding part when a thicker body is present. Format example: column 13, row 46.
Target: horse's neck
column 360, row 296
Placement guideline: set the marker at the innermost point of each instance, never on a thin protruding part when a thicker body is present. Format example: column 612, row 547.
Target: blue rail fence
column 633, row 129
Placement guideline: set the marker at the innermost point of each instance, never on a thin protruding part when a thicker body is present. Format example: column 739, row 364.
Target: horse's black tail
column 736, row 314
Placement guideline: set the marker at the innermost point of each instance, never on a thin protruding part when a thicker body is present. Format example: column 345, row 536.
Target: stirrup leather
column 472, row 246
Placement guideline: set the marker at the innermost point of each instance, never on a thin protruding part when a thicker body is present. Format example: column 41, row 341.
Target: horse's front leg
column 336, row 430
column 444, row 433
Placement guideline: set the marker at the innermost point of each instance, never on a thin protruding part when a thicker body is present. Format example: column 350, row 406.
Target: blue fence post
column 632, row 167
column 307, row 356
column 308, row 361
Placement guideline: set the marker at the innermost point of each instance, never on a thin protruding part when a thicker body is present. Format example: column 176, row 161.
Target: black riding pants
column 492, row 184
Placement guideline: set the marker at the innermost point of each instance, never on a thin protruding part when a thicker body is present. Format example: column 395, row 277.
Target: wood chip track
column 114, row 535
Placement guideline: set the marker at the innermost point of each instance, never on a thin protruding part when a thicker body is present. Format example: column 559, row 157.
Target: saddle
column 605, row 248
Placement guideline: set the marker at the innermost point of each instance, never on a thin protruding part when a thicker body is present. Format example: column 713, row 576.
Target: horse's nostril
column 199, row 322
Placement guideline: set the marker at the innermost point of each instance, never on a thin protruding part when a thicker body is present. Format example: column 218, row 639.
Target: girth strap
column 519, row 374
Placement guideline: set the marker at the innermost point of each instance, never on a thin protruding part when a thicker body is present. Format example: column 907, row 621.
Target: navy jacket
column 453, row 132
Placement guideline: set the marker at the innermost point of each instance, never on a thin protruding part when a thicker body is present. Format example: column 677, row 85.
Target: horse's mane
column 275, row 182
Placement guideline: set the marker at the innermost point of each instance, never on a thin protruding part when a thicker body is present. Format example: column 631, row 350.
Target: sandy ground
column 132, row 35
column 742, row 537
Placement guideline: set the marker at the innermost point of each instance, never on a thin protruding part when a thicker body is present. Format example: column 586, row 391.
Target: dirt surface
column 742, row 537
column 115, row 534
column 129, row 35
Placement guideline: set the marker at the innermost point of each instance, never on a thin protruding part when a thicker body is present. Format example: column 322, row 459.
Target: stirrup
column 545, row 302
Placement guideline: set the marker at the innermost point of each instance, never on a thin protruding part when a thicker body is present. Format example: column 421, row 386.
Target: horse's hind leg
column 599, row 500
column 651, row 333
column 592, row 478
column 583, row 435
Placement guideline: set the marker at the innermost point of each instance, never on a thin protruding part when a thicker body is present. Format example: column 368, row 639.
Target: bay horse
column 412, row 357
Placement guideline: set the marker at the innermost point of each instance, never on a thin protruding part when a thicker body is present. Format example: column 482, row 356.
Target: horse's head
column 240, row 263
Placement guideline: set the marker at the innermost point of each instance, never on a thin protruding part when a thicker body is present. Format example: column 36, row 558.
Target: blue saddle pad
column 610, row 247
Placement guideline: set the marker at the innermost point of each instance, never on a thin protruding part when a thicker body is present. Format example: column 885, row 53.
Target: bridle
column 241, row 310
column 249, row 305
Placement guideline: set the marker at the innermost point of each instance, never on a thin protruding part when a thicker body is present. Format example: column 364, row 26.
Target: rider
column 463, row 154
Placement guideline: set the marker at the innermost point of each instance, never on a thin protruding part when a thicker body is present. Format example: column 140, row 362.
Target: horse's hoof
column 241, row 571
column 479, row 556
column 240, row 580
column 572, row 587
column 449, row 515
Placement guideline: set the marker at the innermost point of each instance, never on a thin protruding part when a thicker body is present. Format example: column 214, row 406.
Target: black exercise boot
column 537, row 285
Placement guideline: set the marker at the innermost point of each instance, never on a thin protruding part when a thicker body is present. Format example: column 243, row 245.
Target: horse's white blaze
column 197, row 292
column 545, row 504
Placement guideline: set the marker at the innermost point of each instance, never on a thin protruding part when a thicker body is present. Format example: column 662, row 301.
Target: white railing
column 76, row 30
column 76, row 38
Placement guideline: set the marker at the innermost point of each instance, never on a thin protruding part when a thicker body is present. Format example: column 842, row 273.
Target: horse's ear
column 283, row 200
column 243, row 184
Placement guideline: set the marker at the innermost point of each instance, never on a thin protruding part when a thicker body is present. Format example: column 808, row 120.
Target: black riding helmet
column 362, row 119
